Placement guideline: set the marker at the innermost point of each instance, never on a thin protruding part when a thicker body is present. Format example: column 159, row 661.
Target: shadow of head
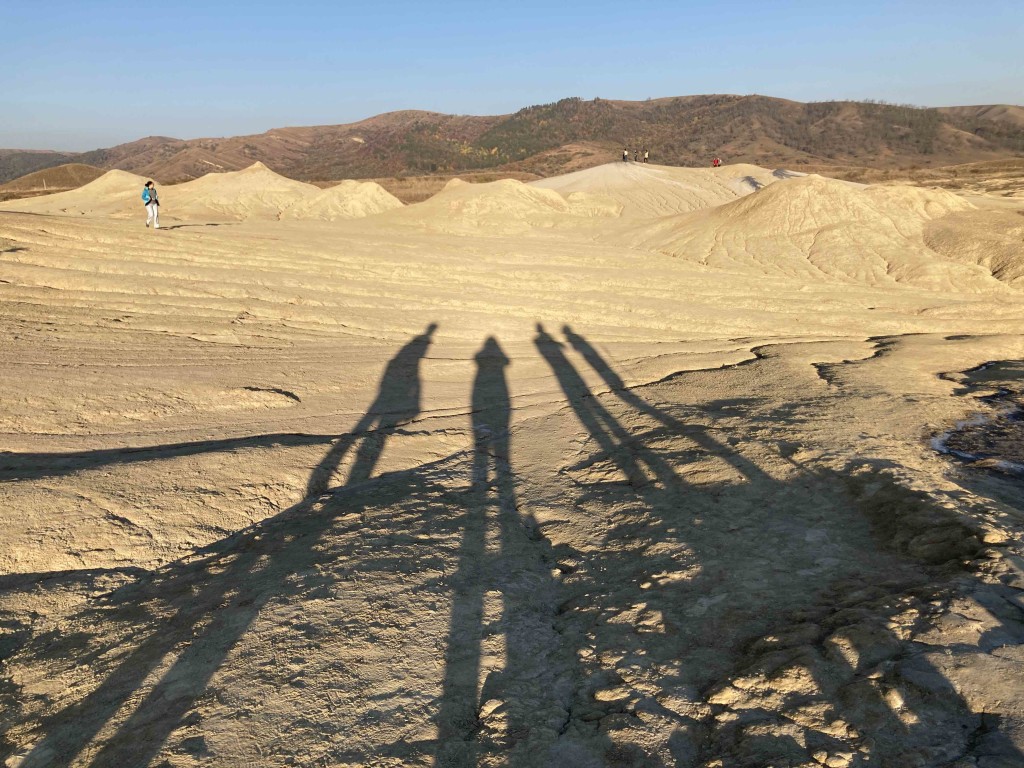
column 492, row 352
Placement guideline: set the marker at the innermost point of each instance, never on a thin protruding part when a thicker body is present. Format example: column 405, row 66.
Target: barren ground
column 632, row 468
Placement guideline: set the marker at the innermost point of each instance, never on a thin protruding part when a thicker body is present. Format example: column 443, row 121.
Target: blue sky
column 86, row 74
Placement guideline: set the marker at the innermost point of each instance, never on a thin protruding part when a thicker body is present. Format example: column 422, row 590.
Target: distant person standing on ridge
column 152, row 203
column 625, row 155
column 647, row 155
column 636, row 155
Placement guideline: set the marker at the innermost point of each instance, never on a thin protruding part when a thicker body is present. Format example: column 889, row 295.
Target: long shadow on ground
column 521, row 708
column 726, row 612
column 752, row 613
column 216, row 598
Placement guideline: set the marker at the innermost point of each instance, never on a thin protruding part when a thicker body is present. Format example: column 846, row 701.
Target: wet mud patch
column 994, row 439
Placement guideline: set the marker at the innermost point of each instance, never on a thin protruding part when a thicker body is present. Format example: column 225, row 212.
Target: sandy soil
column 635, row 467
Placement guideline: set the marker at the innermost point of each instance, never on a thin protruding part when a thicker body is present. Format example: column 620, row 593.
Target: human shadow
column 615, row 441
column 217, row 596
column 511, row 711
column 675, row 588
column 459, row 712
column 397, row 403
column 694, row 432
column 702, row 610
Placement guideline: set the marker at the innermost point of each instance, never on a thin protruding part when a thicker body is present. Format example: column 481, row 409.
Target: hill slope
column 116, row 194
column 15, row 163
column 572, row 134
column 811, row 226
column 648, row 191
column 58, row 179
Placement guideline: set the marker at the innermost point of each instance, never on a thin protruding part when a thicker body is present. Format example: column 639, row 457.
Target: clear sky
column 82, row 74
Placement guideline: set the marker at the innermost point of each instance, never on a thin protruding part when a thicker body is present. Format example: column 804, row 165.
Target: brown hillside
column 50, row 180
column 387, row 144
column 1003, row 113
column 15, row 163
column 573, row 134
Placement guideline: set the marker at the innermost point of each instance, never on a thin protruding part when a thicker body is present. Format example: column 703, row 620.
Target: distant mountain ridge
column 574, row 133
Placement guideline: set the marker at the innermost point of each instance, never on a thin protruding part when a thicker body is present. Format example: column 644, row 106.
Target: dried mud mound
column 502, row 208
column 650, row 191
column 115, row 194
column 815, row 228
column 348, row 200
column 993, row 240
column 254, row 193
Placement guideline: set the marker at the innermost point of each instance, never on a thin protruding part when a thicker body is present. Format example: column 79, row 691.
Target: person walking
column 625, row 155
column 647, row 155
column 636, row 155
column 152, row 203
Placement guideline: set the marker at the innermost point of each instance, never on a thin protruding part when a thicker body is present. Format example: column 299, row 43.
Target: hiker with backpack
column 152, row 203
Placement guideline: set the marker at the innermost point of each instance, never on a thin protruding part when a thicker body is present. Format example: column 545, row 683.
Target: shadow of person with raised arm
column 217, row 598
column 746, row 589
column 512, row 710
column 694, row 432
column 397, row 403
column 615, row 441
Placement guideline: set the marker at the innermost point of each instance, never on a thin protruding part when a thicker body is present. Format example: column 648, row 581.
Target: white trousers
column 153, row 215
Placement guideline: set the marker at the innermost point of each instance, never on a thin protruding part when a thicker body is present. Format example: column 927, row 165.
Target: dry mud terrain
column 637, row 466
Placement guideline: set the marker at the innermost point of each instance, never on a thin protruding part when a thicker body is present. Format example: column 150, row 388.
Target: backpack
column 145, row 194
